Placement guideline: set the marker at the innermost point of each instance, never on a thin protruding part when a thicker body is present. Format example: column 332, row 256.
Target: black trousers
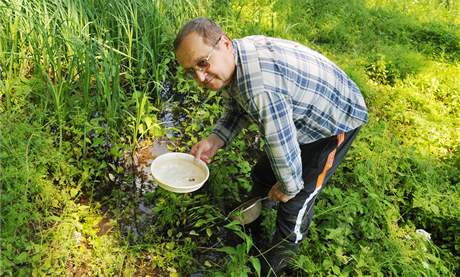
column 319, row 161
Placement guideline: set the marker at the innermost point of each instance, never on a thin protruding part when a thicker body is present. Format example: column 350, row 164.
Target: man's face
column 218, row 61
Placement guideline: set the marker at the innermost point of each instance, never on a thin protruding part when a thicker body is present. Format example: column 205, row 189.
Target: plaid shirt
column 294, row 95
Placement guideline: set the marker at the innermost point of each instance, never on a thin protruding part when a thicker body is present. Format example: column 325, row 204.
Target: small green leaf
column 199, row 223
column 21, row 258
column 256, row 264
column 234, row 225
column 228, row 250
column 170, row 245
column 148, row 121
column 74, row 192
column 248, row 240
column 141, row 128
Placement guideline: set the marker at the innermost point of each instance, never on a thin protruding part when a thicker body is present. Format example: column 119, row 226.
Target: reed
column 13, row 51
column 96, row 51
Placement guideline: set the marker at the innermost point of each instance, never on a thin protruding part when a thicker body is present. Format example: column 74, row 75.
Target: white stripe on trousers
column 301, row 214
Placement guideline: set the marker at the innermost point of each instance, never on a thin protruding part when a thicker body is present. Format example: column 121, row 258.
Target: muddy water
column 171, row 113
column 138, row 182
column 134, row 203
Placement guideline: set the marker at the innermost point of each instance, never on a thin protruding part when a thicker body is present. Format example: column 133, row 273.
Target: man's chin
column 214, row 85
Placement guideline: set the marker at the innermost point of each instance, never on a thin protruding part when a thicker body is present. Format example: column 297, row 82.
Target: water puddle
column 137, row 181
column 135, row 184
column 132, row 202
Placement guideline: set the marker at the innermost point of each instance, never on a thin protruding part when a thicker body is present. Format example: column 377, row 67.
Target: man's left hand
column 276, row 194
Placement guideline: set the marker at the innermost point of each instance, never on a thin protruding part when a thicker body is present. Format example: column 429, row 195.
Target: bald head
column 207, row 29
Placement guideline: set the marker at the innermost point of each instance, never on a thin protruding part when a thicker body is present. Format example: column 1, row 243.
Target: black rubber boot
column 277, row 257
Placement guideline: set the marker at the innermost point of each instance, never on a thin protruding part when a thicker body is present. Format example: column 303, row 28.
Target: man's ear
column 227, row 42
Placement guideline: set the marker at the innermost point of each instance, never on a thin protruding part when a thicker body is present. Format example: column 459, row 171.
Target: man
column 306, row 108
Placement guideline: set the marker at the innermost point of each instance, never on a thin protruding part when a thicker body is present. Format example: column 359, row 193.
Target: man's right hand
column 207, row 148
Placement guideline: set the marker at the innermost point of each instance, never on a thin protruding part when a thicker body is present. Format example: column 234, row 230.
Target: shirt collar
column 232, row 88
column 235, row 52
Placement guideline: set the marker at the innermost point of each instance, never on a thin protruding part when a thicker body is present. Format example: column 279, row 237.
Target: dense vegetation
column 84, row 84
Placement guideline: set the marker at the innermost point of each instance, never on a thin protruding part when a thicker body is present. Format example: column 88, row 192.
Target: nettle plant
column 241, row 262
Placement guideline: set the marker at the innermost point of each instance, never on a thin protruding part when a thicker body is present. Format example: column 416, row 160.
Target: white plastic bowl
column 179, row 172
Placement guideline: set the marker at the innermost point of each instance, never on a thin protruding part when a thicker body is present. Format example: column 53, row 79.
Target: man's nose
column 200, row 75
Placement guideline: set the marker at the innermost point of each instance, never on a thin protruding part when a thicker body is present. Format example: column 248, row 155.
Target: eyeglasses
column 203, row 64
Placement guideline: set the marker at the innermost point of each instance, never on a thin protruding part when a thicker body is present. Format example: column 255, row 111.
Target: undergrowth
column 83, row 83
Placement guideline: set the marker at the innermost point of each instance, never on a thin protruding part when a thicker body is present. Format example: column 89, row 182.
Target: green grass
column 82, row 83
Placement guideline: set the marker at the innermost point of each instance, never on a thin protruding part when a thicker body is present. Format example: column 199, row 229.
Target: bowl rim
column 183, row 156
column 247, row 211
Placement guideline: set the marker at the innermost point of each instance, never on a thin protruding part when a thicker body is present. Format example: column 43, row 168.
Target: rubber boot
column 277, row 257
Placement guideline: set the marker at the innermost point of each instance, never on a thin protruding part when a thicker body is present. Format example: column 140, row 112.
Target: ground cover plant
column 86, row 85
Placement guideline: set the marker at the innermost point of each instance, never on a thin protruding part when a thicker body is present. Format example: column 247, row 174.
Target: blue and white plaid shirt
column 295, row 96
